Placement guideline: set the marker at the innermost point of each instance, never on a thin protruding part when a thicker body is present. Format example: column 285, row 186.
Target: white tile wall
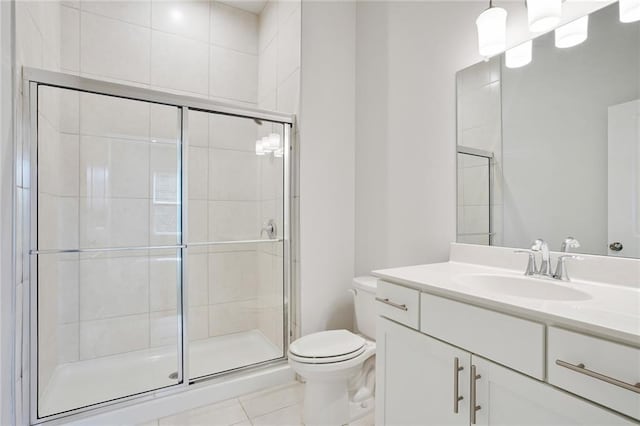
column 234, row 75
column 114, row 48
column 234, row 28
column 179, row 63
column 132, row 12
column 113, row 335
column 113, row 286
column 185, row 18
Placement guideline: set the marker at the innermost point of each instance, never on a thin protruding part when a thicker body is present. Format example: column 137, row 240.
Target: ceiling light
column 543, row 15
column 629, row 10
column 519, row 55
column 176, row 14
column 492, row 31
column 573, row 33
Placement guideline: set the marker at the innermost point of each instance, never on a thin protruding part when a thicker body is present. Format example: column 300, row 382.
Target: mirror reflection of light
column 543, row 15
column 492, row 31
column 519, row 55
column 629, row 10
column 176, row 14
column 573, row 33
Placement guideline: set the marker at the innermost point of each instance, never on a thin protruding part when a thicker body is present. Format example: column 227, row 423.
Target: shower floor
column 83, row 383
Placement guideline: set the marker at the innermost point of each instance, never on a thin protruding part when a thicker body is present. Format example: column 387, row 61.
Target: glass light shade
column 629, row 10
column 492, row 31
column 543, row 15
column 259, row 147
column 573, row 33
column 274, row 142
column 519, row 55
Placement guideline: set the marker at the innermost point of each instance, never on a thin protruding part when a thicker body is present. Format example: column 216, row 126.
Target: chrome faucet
column 531, row 265
column 561, row 268
column 541, row 246
column 544, row 270
column 569, row 243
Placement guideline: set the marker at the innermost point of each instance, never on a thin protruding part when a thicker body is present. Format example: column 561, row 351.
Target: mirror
column 552, row 149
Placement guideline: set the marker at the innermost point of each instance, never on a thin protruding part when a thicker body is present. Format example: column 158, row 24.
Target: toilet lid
column 327, row 344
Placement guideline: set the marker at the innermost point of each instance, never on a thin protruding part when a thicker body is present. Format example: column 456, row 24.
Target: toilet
column 338, row 366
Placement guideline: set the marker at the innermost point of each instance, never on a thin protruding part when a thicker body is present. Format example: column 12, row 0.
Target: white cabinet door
column 416, row 379
column 509, row 398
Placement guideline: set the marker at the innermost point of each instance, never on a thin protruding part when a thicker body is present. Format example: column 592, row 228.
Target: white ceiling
column 253, row 6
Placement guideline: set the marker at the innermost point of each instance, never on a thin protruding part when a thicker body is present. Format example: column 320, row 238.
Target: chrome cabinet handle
column 580, row 368
column 474, row 407
column 386, row 301
column 457, row 368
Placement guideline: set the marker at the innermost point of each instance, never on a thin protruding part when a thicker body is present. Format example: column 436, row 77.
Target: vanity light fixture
column 270, row 144
column 260, row 147
column 543, row 15
column 492, row 30
column 629, row 10
column 573, row 33
column 519, row 55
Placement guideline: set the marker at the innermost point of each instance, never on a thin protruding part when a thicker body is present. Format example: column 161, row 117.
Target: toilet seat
column 327, row 347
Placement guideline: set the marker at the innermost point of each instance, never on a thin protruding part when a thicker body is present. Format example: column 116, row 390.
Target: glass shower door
column 474, row 198
column 108, row 249
column 235, row 242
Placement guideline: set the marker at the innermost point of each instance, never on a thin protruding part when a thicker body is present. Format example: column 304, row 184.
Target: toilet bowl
column 338, row 365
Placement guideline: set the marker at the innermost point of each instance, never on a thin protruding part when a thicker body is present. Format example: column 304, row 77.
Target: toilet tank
column 364, row 301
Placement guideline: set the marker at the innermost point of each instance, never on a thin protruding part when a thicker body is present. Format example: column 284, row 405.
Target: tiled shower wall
column 207, row 49
column 37, row 44
column 479, row 126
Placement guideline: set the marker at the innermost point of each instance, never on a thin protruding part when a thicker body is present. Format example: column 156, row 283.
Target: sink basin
column 530, row 288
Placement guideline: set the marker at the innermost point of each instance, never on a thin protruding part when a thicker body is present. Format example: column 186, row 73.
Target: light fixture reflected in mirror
column 543, row 15
column 270, row 144
column 492, row 31
column 629, row 10
column 519, row 55
column 573, row 33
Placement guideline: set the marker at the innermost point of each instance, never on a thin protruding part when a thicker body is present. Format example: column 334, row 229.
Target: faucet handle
column 569, row 243
column 531, row 265
column 561, row 269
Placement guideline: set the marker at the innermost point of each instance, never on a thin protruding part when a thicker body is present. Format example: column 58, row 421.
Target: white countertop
column 611, row 311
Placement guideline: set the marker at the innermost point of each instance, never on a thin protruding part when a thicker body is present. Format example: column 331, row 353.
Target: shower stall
column 157, row 228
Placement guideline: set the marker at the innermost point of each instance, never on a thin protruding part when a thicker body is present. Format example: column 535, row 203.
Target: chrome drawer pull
column 474, row 406
column 457, row 368
column 580, row 368
column 390, row 303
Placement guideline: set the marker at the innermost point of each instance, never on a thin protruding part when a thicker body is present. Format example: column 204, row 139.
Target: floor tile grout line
column 244, row 410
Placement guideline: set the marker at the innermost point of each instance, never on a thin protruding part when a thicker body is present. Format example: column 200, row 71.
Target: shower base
column 83, row 383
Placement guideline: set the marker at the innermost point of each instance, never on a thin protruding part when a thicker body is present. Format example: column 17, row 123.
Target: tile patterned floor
column 279, row 406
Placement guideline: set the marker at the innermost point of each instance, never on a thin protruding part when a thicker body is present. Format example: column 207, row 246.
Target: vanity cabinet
column 415, row 378
column 439, row 358
column 421, row 381
column 509, row 398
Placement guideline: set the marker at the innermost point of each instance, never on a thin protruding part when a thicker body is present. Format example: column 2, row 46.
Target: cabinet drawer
column 595, row 369
column 507, row 340
column 398, row 303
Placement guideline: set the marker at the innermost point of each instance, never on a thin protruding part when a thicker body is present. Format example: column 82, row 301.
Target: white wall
column 327, row 156
column 408, row 54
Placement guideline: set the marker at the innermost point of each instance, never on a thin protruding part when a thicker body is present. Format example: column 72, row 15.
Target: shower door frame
column 489, row 156
column 27, row 151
